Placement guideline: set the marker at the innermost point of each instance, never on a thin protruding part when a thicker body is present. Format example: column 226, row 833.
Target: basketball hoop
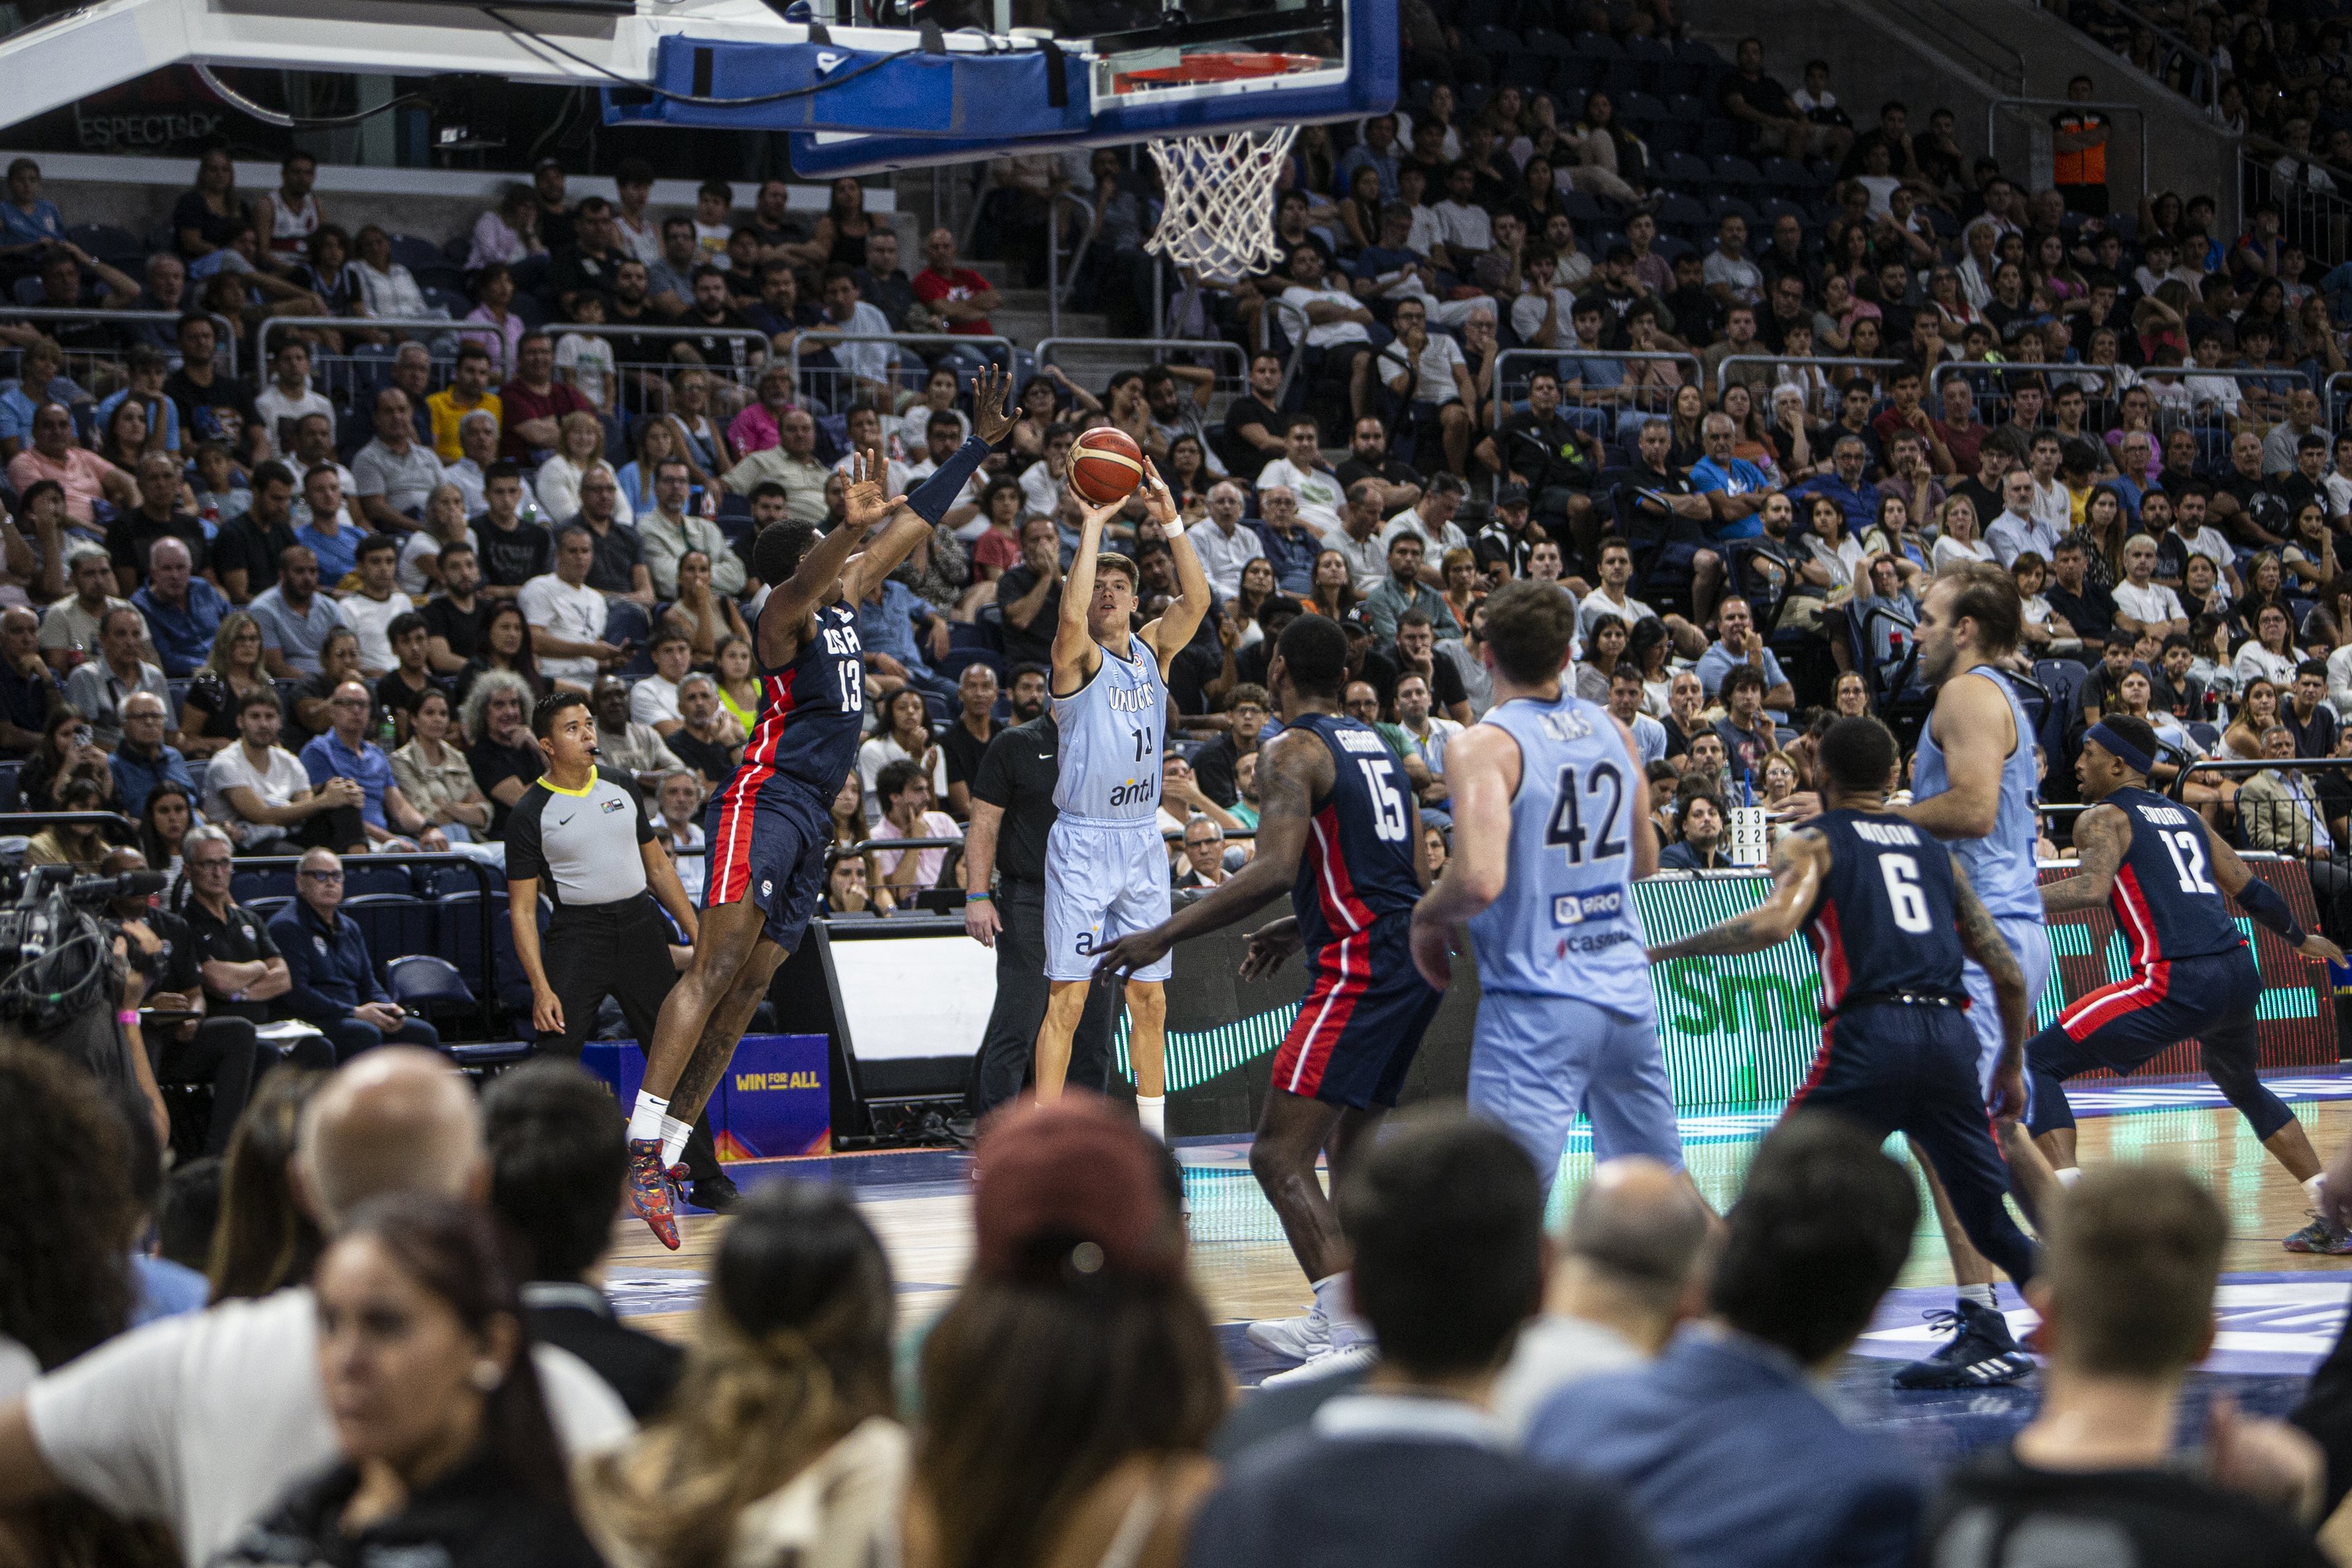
column 1218, row 220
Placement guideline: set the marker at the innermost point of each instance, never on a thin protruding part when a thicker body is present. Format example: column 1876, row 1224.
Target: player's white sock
column 2068, row 1174
column 1331, row 1299
column 1980, row 1294
column 2311, row 1188
column 1151, row 1109
column 674, row 1134
column 645, row 1118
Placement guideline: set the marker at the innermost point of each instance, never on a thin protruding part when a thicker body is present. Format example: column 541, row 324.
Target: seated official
column 240, row 968
column 331, row 979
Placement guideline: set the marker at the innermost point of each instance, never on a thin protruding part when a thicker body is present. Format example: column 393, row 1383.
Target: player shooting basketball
column 1106, row 862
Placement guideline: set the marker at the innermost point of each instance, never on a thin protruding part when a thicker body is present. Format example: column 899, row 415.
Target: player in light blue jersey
column 1105, row 863
column 1551, row 826
column 1973, row 786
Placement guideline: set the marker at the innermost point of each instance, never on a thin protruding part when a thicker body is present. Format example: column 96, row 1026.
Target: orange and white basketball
column 1106, row 464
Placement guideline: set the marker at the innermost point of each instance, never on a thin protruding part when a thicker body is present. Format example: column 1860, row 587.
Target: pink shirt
column 503, row 339
column 753, row 430
column 83, row 475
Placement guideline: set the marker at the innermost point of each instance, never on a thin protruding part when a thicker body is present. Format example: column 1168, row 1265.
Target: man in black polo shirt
column 513, row 548
column 965, row 740
column 453, row 617
column 1554, row 458
column 1012, row 812
column 1029, row 595
column 2304, row 712
column 247, row 549
column 706, row 740
column 29, row 691
column 157, row 516
column 579, row 834
column 1369, row 458
column 2089, row 609
column 221, row 1052
column 1255, row 426
column 237, row 959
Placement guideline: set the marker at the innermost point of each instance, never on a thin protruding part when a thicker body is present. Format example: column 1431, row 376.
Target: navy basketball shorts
column 768, row 834
column 2120, row 1027
column 1362, row 1020
column 1892, row 1066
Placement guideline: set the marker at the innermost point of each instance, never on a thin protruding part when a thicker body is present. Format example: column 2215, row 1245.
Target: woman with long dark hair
column 1070, row 1390
column 447, row 1454
column 163, row 822
column 67, row 750
column 504, row 644
column 69, row 1284
column 778, row 1446
column 1334, row 593
column 739, row 691
column 264, row 1240
column 234, row 668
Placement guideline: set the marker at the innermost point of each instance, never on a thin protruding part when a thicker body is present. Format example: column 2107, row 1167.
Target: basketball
column 1106, row 466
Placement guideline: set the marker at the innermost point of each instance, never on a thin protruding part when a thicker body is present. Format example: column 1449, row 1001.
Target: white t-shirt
column 230, row 769
column 1598, row 604
column 368, row 618
column 1318, row 492
column 576, row 615
column 1527, row 315
column 1464, row 226
column 1439, row 357
column 2154, row 602
column 2254, row 659
column 653, row 701
column 204, row 1420
column 1434, row 543
column 1326, row 334
column 590, row 361
column 281, row 414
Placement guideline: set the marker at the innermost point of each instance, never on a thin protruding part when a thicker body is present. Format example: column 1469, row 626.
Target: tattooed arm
column 1798, row 863
column 2102, row 836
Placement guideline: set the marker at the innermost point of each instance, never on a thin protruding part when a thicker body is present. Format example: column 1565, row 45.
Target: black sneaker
column 717, row 1194
column 1982, row 1354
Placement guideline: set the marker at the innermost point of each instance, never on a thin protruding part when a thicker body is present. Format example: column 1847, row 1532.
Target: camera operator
column 224, row 1052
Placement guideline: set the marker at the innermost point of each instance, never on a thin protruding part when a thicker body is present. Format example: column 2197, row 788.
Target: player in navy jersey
column 1892, row 919
column 2164, row 873
column 1337, row 830
column 769, row 828
column 1972, row 785
column 1106, row 862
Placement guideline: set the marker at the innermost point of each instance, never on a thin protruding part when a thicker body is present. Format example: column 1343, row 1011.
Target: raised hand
column 993, row 414
column 1158, row 503
column 863, row 503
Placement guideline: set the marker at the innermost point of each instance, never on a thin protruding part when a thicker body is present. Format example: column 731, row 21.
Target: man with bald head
column 143, row 761
column 184, row 612
column 202, row 1421
column 1628, row 1273
column 331, row 975
column 345, row 751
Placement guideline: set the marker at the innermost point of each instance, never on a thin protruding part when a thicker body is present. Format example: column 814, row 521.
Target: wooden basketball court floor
column 2279, row 1310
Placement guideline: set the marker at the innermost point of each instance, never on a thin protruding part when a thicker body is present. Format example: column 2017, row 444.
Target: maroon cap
column 1070, row 1187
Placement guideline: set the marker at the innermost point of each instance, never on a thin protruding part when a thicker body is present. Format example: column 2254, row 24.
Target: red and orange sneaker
column 649, row 1191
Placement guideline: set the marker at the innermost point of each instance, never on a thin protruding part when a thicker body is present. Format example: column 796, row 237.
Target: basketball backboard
column 1100, row 72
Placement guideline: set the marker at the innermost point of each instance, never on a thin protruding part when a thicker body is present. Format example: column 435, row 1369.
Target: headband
column 2131, row 756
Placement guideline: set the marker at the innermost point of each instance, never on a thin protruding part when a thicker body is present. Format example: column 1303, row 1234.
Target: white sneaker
column 1299, row 1339
column 1356, row 1357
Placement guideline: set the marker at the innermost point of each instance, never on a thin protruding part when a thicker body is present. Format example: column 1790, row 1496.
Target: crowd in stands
column 374, row 1328
column 1741, row 374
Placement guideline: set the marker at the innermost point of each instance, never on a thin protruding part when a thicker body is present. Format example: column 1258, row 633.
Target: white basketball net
column 1218, row 220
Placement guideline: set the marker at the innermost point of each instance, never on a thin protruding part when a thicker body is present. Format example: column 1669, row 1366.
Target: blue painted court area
column 2275, row 1326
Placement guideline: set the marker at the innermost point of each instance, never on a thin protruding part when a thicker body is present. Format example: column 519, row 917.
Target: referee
column 1012, row 812
column 579, row 829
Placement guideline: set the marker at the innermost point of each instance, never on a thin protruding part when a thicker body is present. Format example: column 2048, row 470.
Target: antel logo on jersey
column 1136, row 792
column 1575, row 909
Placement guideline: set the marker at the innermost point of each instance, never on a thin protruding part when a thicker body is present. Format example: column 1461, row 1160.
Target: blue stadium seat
column 1680, row 212
column 457, row 937
column 415, row 254
column 392, row 923
column 1641, row 109
column 1686, row 173
column 1528, row 72
column 1550, row 44
column 362, row 875
column 1737, row 174
column 265, row 909
column 1597, row 46
column 428, row 984
column 1580, row 74
column 1495, row 43
column 1785, row 174
column 251, row 887
column 1724, row 204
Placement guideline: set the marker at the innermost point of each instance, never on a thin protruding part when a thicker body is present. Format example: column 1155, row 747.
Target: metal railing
column 1635, row 398
column 1218, row 347
column 2172, row 44
column 1989, row 379
column 1994, row 106
column 1776, row 363
column 224, row 333
column 1057, row 285
column 818, row 340
column 2320, row 221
